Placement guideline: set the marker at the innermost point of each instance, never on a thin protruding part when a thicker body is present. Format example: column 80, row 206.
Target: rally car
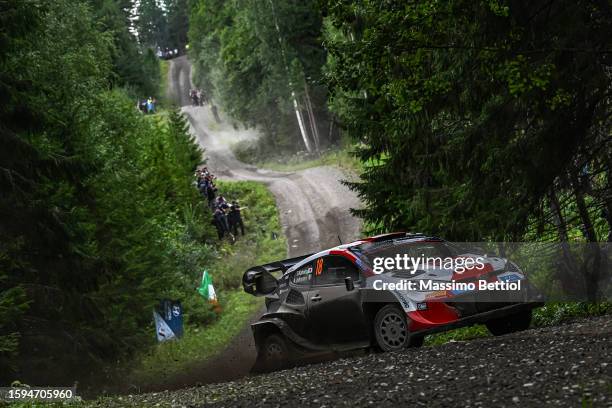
column 339, row 300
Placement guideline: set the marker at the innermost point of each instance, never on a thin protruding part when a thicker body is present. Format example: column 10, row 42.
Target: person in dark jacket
column 220, row 222
column 235, row 218
column 222, row 203
column 211, row 195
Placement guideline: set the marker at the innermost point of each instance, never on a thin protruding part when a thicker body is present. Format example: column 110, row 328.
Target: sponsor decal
column 303, row 275
column 402, row 299
column 509, row 277
column 436, row 294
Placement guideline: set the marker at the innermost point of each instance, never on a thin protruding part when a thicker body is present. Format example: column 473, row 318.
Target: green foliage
column 162, row 23
column 99, row 215
column 138, row 71
column 264, row 241
column 164, row 68
column 178, row 23
column 13, row 304
column 555, row 313
column 256, row 59
column 151, row 25
column 476, row 111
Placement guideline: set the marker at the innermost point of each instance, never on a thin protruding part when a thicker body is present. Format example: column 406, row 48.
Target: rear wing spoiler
column 258, row 280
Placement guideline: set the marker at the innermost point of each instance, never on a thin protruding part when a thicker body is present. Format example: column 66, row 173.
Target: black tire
column 510, row 324
column 274, row 352
column 391, row 329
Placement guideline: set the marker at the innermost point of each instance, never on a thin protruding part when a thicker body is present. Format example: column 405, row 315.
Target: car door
column 335, row 314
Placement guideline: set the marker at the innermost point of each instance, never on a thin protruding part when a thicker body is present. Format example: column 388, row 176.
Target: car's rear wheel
column 510, row 324
column 391, row 329
column 274, row 352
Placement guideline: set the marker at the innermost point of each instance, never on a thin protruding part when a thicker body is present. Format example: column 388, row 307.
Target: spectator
column 193, row 94
column 221, row 223
column 150, row 105
column 210, row 195
column 226, row 217
column 235, row 219
column 218, row 222
column 222, row 203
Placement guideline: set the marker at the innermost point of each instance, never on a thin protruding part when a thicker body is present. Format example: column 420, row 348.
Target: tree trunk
column 296, row 107
column 567, row 270
column 300, row 119
column 608, row 200
column 591, row 263
column 313, row 120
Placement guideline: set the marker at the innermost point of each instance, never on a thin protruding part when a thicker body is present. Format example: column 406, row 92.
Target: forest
column 100, row 219
column 484, row 120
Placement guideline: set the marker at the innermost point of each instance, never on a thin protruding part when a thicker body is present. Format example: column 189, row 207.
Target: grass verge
column 263, row 242
column 164, row 68
column 198, row 343
column 341, row 158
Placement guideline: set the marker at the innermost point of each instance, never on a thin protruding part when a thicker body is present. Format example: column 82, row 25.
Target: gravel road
column 563, row 366
column 313, row 206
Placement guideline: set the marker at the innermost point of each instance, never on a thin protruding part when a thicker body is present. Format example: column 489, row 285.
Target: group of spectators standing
column 147, row 105
column 226, row 216
column 198, row 98
column 167, row 53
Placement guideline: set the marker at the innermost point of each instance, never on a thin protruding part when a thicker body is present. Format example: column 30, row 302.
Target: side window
column 331, row 270
column 303, row 276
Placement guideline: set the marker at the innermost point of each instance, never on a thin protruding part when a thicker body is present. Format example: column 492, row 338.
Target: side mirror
column 348, row 282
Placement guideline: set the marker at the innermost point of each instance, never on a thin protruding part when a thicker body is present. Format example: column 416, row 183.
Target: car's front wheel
column 391, row 329
column 510, row 324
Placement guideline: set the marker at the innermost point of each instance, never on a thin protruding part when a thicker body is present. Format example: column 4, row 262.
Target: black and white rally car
column 335, row 300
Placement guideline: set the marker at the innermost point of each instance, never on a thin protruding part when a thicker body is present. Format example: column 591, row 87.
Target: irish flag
column 207, row 289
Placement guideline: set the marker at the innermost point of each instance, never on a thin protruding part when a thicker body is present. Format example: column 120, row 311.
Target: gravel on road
column 562, row 366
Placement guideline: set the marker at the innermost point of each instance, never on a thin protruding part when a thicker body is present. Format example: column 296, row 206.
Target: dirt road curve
column 563, row 366
column 313, row 205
